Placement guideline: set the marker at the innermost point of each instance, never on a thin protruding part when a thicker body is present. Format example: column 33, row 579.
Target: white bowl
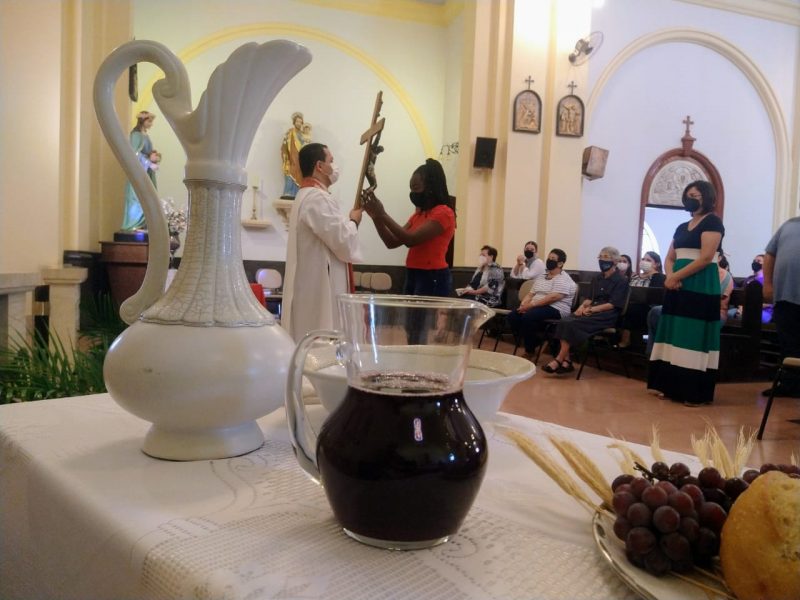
column 489, row 378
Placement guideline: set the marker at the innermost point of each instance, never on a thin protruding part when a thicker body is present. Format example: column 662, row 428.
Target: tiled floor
column 608, row 404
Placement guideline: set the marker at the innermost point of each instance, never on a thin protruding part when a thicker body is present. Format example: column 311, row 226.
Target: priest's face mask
column 328, row 170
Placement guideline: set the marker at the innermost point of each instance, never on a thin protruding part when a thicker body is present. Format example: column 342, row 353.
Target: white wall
column 30, row 100
column 638, row 116
column 335, row 93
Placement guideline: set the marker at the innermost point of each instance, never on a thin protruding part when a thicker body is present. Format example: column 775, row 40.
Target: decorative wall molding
column 785, row 198
column 783, row 11
column 440, row 14
column 293, row 31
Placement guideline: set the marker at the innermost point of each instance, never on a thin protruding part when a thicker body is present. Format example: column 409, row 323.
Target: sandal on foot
column 565, row 367
column 550, row 369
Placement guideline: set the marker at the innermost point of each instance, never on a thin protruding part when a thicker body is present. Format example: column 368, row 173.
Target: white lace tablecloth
column 85, row 514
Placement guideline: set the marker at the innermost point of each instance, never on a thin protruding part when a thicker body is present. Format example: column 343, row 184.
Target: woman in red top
column 427, row 233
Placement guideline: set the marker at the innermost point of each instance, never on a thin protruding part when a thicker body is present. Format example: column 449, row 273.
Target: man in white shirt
column 321, row 243
column 550, row 298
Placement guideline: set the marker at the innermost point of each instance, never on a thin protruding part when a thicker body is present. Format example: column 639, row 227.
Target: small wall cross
column 529, row 81
column 688, row 122
column 572, row 85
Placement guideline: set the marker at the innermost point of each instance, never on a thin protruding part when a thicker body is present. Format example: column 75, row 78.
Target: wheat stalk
column 700, row 448
column 584, row 468
column 711, row 451
column 744, row 446
column 721, row 456
column 711, row 575
column 630, row 458
column 655, row 446
column 705, row 587
column 551, row 468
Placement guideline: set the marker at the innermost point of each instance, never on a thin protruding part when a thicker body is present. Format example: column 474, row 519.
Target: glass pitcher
column 401, row 459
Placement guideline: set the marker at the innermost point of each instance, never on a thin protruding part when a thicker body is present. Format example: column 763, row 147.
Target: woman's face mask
column 417, row 199
column 605, row 265
column 756, row 266
column 529, row 253
column 691, row 204
column 483, row 260
column 645, row 266
column 622, row 266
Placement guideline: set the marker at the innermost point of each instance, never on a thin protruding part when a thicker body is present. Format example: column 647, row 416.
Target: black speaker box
column 484, row 153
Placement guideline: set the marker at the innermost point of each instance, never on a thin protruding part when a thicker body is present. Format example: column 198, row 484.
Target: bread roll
column 760, row 544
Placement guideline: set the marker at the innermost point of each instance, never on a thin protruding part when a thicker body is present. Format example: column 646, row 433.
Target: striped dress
column 685, row 357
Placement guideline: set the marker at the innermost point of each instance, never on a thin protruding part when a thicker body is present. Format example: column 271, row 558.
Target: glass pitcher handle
column 304, row 440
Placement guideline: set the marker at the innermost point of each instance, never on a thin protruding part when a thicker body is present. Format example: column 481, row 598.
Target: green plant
column 37, row 370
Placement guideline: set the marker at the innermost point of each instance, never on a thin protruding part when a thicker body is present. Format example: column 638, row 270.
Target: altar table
column 85, row 514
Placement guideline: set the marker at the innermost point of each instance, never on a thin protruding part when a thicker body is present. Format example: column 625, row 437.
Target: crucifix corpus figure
column 371, row 137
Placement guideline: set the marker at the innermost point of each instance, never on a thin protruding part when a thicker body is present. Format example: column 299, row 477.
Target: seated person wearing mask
column 528, row 265
column 758, row 275
column 624, row 266
column 649, row 274
column 550, row 298
column 609, row 292
column 486, row 285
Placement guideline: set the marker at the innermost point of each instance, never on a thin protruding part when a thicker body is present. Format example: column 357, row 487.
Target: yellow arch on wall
column 290, row 29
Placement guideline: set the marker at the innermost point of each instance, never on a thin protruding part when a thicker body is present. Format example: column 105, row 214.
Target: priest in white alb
column 322, row 241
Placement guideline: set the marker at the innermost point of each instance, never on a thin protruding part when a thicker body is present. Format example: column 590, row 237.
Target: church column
column 561, row 182
column 534, row 190
column 484, row 113
column 524, row 168
column 793, row 202
column 91, row 182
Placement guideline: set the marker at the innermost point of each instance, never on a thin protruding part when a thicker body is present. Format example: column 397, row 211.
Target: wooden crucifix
column 371, row 137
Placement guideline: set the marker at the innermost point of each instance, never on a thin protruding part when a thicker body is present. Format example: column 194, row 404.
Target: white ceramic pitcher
column 202, row 361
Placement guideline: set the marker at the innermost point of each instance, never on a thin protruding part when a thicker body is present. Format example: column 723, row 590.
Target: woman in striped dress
column 685, row 357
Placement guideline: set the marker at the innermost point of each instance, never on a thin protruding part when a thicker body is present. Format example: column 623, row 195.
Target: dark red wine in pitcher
column 403, row 466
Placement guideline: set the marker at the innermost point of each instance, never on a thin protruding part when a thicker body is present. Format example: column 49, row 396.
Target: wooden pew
column 740, row 341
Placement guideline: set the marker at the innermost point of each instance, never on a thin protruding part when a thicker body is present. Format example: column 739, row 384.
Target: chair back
column 627, row 302
column 258, row 291
column 366, row 281
column 525, row 289
column 357, row 279
column 270, row 279
column 381, row 282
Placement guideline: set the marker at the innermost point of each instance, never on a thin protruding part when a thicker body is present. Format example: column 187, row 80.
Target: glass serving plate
column 647, row 586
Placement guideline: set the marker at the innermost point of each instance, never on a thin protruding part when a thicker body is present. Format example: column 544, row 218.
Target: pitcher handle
column 177, row 84
column 304, row 440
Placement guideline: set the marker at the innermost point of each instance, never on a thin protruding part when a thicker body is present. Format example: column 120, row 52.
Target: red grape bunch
column 671, row 520
column 667, row 525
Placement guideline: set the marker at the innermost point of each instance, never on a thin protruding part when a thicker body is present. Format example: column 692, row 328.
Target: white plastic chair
column 366, row 281
column 270, row 279
column 381, row 282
